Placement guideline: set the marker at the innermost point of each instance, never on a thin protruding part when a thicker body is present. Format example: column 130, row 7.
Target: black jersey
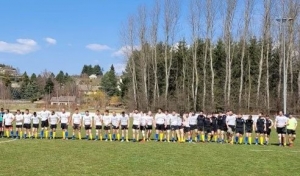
column 249, row 123
column 200, row 120
column 260, row 123
column 207, row 122
column 239, row 123
column 220, row 121
column 268, row 123
column 214, row 121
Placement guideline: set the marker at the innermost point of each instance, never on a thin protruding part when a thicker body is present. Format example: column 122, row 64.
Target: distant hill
column 8, row 70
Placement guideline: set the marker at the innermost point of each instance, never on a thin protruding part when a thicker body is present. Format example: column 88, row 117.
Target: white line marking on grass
column 261, row 150
column 8, row 141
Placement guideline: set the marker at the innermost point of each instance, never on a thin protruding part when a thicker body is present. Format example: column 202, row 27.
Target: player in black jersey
column 240, row 123
column 214, row 129
column 207, row 127
column 249, row 125
column 260, row 129
column 200, row 126
column 269, row 125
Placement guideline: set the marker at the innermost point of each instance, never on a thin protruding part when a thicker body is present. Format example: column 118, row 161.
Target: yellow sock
column 35, row 135
column 261, row 140
column 91, row 136
column 126, row 137
column 63, row 135
column 178, row 139
column 250, row 140
column 118, row 136
column 100, row 137
column 46, row 133
column 183, row 139
column 161, row 135
column 208, row 137
column 29, row 135
column 79, row 136
column 196, row 138
column 168, row 138
column 241, row 140
column 54, row 134
column 21, row 134
column 109, row 136
column 202, row 137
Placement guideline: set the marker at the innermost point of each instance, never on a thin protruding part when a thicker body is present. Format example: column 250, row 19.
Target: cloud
column 124, row 50
column 97, row 47
column 119, row 68
column 50, row 41
column 22, row 46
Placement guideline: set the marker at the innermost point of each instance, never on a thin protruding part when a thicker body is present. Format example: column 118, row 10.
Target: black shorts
column 27, row 126
column 87, row 127
column 135, row 127
column 35, row 125
column 8, row 126
column 260, row 131
column 115, row 127
column 160, row 127
column 249, row 129
column 106, row 127
column 207, row 129
column 98, row 127
column 64, row 126
column 168, row 127
column 124, row 127
column 76, row 127
column 174, row 127
column 214, row 129
column 142, row 128
column 186, row 129
column 232, row 128
column 220, row 127
column 281, row 130
column 268, row 132
column 239, row 130
column 53, row 127
column 45, row 124
column 149, row 127
column 224, row 128
column 193, row 127
column 0, row 124
column 291, row 132
column 18, row 126
column 200, row 128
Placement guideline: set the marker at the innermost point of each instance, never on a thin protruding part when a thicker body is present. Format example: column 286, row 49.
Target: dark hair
column 76, row 109
column 97, row 110
column 86, row 111
column 7, row 110
column 26, row 109
column 107, row 111
column 18, row 110
column 34, row 113
column 123, row 113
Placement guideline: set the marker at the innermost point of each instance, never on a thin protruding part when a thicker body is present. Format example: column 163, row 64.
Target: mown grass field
column 81, row 157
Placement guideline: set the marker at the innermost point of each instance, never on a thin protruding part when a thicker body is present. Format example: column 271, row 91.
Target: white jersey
column 53, row 119
column 19, row 119
column 143, row 120
column 45, row 115
column 281, row 121
column 8, row 118
column 98, row 120
column 167, row 119
column 76, row 118
column 230, row 120
column 179, row 121
column 124, row 119
column 106, row 120
column 160, row 118
column 115, row 120
column 186, row 122
column 64, row 118
column 149, row 120
column 174, row 119
column 27, row 118
column 87, row 120
column 136, row 119
column 193, row 120
column 35, row 119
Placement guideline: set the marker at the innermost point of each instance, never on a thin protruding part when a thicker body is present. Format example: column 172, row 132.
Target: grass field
column 81, row 157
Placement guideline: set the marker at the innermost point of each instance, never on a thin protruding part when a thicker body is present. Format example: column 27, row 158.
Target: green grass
column 60, row 157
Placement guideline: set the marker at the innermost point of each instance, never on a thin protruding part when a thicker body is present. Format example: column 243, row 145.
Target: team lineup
column 169, row 126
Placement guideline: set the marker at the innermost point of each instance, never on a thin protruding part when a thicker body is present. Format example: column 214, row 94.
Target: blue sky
column 64, row 35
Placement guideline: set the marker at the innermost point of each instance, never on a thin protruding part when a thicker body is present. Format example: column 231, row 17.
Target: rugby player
column 159, row 124
column 27, row 124
column 180, row 136
column 249, row 128
column 174, row 126
column 76, row 124
column 53, row 120
column 87, row 121
column 200, row 126
column 98, row 125
column 35, row 124
column 207, row 127
column 150, row 121
column 107, row 122
column 44, row 122
column 186, row 128
column 214, row 127
column 269, row 125
column 65, row 120
column 221, row 127
column 1, row 122
column 143, row 123
column 167, row 129
column 136, row 125
column 8, row 120
column 230, row 123
column 260, row 129
column 240, row 123
column 193, row 125
column 19, row 125
column 291, row 130
column 280, row 126
column 115, row 121
column 124, row 126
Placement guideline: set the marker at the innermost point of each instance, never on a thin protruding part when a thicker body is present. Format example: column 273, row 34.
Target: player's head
column 173, row 113
column 159, row 110
column 63, row 110
column 1, row 109
column 201, row 113
column 18, row 111
column 34, row 114
column 22, row 113
column 230, row 112
column 250, row 117
column 26, row 111
column 123, row 113
column 260, row 114
column 267, row 116
column 280, row 113
column 114, row 113
column 87, row 112
column 106, row 112
column 239, row 115
column 136, row 111
column 44, row 108
column 7, row 111
column 166, row 111
column 97, row 112
column 149, row 113
column 52, row 112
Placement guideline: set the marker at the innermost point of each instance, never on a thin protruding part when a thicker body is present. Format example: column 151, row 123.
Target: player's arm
column 271, row 124
column 265, row 125
column 227, row 122
column 275, row 124
column 92, row 122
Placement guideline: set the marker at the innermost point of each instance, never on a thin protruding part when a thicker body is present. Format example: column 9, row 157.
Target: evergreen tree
column 60, row 77
column 33, row 77
column 109, row 82
column 49, row 87
column 97, row 70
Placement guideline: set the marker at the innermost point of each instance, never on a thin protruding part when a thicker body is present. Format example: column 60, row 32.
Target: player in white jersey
column 8, row 120
column 115, row 121
column 174, row 126
column 107, row 122
column 44, row 122
column 35, row 124
column 27, row 124
column 143, row 123
column 98, row 125
column 280, row 126
column 149, row 126
column 159, row 124
column 167, row 129
column 19, row 124
column 179, row 131
column 136, row 125
column 193, row 125
column 1, row 122
column 76, row 124
column 64, row 122
column 124, row 125
column 186, row 127
column 87, row 121
column 53, row 120
column 230, row 123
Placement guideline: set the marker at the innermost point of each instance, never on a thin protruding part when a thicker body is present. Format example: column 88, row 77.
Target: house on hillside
column 63, row 100
column 87, row 89
column 93, row 76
